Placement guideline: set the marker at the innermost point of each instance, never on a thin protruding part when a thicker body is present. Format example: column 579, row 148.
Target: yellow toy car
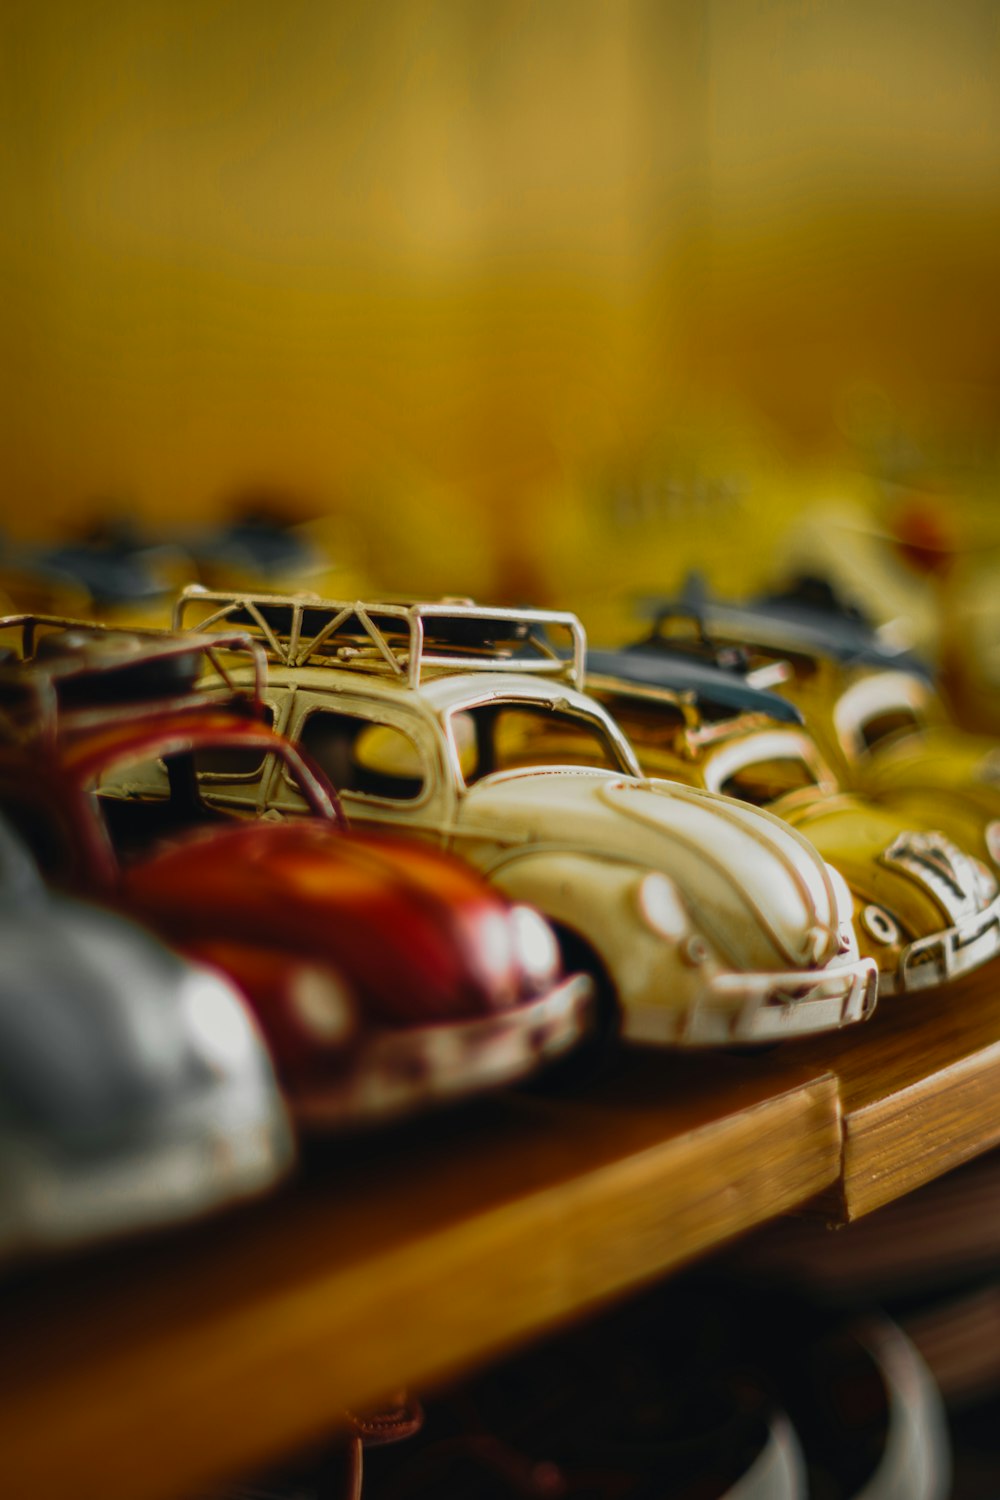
column 873, row 710
column 925, row 909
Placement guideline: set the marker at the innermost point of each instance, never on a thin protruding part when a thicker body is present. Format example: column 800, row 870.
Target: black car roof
column 678, row 673
column 808, row 619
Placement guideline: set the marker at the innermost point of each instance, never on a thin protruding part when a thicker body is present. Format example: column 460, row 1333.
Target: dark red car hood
column 417, row 933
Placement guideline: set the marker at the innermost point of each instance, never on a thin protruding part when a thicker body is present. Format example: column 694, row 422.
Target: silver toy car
column 134, row 1088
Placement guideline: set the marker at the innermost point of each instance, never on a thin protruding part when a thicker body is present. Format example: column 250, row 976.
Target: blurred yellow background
column 544, row 299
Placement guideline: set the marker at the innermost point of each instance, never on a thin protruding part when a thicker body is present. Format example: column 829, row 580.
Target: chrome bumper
column 738, row 1008
column 396, row 1070
column 945, row 955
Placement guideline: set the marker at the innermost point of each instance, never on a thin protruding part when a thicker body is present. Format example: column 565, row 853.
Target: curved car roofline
column 800, row 629
column 45, row 697
column 102, row 743
column 676, row 673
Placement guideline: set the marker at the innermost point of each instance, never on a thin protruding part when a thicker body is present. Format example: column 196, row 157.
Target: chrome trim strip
column 945, row 955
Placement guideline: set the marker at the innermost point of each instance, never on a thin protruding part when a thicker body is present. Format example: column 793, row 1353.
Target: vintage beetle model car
column 705, row 920
column 135, row 1089
column 872, row 709
column 384, row 975
column 925, row 910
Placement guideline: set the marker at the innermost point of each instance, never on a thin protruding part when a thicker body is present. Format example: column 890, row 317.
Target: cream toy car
column 926, row 911
column 704, row 920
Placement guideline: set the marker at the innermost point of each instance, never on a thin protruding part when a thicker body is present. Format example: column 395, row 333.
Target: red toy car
column 384, row 975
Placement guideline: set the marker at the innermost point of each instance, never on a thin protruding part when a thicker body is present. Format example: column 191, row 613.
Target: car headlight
column 661, row 908
column 535, row 946
column 322, row 1004
column 880, row 925
column 217, row 1022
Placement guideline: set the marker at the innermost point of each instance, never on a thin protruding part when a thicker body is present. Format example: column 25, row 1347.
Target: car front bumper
column 400, row 1069
column 945, row 955
column 737, row 1008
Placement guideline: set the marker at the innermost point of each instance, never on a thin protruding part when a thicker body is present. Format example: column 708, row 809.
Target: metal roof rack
column 59, row 674
column 401, row 640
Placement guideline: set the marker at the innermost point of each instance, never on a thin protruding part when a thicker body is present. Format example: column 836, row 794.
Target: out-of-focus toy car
column 108, row 571
column 384, row 976
column 705, row 921
column 262, row 547
column 873, row 710
column 925, row 910
column 135, row 1089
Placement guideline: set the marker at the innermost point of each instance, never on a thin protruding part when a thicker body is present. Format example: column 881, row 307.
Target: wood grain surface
column 919, row 1089
column 147, row 1370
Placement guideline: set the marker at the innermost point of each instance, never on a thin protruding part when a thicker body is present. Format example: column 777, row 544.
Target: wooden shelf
column 148, row 1370
column 919, row 1090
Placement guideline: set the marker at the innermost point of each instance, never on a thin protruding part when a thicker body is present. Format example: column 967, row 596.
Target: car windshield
column 495, row 737
column 143, row 802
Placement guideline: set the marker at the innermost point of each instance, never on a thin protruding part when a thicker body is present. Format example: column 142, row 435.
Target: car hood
column 751, row 882
column 939, row 757
column 392, row 917
column 922, row 876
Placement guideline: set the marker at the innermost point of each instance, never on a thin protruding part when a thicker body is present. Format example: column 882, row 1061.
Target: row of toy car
column 118, row 740
column 705, row 921
column 924, row 898
column 418, row 747
column 809, row 714
column 382, row 976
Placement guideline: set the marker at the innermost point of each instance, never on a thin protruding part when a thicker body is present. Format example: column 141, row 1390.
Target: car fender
column 597, row 899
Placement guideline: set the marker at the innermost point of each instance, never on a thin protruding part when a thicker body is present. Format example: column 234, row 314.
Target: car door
column 387, row 762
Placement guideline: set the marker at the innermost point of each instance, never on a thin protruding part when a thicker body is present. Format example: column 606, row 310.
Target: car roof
column 795, row 621
column 710, row 685
column 795, row 624
column 82, row 755
column 439, row 693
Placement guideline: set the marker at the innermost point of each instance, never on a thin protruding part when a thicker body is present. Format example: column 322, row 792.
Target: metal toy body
column 872, row 709
column 383, row 976
column 135, row 1089
column 925, row 910
column 464, row 727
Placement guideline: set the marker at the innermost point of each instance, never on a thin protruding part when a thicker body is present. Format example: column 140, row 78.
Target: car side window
column 377, row 760
column 232, row 762
column 140, row 816
column 511, row 736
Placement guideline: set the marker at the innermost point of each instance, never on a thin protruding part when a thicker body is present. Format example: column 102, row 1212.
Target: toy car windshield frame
column 403, row 640
column 51, row 698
